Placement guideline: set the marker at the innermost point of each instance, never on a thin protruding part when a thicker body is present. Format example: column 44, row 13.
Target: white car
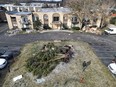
column 112, row 67
column 3, row 63
column 110, row 31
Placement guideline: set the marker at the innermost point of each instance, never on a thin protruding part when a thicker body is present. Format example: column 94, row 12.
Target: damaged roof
column 61, row 9
column 18, row 13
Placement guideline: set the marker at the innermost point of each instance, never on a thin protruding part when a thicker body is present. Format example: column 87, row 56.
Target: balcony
column 56, row 22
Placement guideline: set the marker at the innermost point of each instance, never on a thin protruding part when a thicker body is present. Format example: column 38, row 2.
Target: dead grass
column 64, row 75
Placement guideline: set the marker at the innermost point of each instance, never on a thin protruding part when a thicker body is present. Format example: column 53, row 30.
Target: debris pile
column 48, row 57
column 92, row 29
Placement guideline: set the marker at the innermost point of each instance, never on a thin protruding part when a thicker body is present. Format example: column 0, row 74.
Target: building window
column 55, row 18
column 24, row 19
column 13, row 19
column 74, row 20
column 14, row 22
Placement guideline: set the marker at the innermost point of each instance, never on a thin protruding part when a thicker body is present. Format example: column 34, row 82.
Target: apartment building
column 55, row 18
column 49, row 12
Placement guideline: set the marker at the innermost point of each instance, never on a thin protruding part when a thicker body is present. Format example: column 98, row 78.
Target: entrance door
column 14, row 22
column 56, row 26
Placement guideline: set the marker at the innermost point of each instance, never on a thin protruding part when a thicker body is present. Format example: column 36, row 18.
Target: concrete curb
column 44, row 31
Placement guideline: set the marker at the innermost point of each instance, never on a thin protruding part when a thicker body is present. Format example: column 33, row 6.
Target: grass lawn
column 65, row 74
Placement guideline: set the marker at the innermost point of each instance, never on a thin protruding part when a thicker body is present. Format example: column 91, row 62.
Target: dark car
column 7, row 55
column 2, row 51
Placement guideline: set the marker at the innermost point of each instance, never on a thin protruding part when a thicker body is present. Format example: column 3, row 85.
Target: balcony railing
column 56, row 22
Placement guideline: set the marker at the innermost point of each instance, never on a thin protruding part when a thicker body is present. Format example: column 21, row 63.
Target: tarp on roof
column 18, row 13
column 66, row 10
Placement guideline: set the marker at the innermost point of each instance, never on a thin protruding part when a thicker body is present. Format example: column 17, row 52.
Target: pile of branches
column 47, row 59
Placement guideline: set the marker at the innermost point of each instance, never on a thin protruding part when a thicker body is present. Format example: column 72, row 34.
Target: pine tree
column 37, row 24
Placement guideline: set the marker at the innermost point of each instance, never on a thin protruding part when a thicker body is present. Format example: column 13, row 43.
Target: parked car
column 7, row 55
column 112, row 67
column 3, row 63
column 2, row 51
column 110, row 31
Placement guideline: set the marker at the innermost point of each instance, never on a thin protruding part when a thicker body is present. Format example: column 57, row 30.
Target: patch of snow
column 40, row 80
column 17, row 78
column 60, row 67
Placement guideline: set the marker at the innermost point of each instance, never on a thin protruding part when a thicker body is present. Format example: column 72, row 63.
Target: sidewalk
column 44, row 31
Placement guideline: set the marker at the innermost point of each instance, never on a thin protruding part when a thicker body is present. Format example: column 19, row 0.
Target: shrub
column 46, row 26
column 37, row 24
column 113, row 20
column 24, row 29
column 65, row 27
column 75, row 28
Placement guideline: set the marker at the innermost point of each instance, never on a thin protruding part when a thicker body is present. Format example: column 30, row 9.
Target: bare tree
column 97, row 11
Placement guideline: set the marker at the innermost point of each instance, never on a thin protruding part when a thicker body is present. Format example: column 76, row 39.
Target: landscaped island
column 59, row 64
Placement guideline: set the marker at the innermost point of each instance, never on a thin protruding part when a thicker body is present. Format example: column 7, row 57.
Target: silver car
column 112, row 67
column 3, row 63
